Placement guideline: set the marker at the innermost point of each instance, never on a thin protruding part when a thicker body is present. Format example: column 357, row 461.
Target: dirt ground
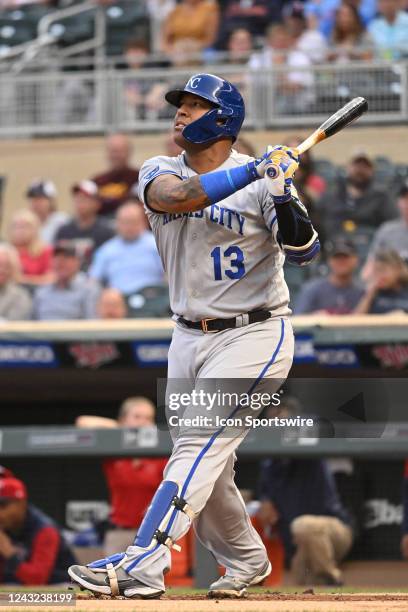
column 273, row 602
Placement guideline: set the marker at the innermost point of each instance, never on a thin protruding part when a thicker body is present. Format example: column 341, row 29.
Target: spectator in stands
column 387, row 285
column 254, row 15
column 112, row 305
column 349, row 40
column 394, row 234
column 117, row 183
column 299, row 497
column 32, row 547
column 322, row 13
column 131, row 482
column 129, row 261
column 338, row 293
column 192, row 20
column 72, row 295
column 389, row 30
column 295, row 86
column 15, row 301
column 41, row 196
column 35, row 256
column 356, row 201
column 86, row 230
column 136, row 88
column 307, row 39
column 239, row 46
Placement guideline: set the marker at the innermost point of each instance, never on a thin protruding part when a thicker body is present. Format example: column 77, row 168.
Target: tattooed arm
column 168, row 193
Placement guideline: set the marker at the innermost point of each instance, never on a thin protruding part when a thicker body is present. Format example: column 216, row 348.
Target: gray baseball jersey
column 225, row 259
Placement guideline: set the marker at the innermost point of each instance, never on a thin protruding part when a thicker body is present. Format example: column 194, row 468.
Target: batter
column 223, row 223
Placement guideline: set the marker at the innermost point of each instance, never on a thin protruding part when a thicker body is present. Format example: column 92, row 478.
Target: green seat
column 15, row 32
column 325, row 169
column 150, row 302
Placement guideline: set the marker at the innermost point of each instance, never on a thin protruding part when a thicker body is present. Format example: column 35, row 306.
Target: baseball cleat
column 99, row 583
column 264, row 573
column 229, row 586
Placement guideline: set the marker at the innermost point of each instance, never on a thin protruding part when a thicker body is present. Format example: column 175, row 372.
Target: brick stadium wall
column 66, row 160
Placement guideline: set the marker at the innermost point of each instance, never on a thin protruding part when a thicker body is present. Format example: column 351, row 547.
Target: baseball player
column 224, row 223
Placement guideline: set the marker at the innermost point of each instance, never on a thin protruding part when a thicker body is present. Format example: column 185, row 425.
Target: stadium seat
column 149, row 302
column 15, row 32
column 384, row 169
column 295, row 276
column 74, row 29
column 325, row 169
column 125, row 20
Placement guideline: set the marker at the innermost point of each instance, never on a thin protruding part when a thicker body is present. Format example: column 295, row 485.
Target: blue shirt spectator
column 129, row 261
column 299, row 487
column 324, row 11
column 389, row 30
column 72, row 295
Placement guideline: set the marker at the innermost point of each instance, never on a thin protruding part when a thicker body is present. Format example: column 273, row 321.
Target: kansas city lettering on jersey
column 231, row 219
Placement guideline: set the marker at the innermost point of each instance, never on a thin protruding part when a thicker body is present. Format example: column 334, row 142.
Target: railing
column 63, row 102
column 21, row 56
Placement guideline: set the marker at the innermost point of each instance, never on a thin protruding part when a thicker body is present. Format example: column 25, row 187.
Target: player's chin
column 179, row 138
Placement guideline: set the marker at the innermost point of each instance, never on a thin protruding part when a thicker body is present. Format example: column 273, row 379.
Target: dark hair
column 392, row 258
column 338, row 35
column 136, row 43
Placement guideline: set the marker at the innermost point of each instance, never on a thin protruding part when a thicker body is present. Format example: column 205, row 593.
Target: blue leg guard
column 162, row 506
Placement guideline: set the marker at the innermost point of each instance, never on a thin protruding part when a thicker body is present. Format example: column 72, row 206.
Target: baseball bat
column 336, row 122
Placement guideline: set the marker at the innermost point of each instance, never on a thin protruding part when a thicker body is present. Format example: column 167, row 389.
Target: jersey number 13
column 230, row 263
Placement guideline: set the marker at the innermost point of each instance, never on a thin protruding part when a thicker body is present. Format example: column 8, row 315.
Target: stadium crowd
column 101, row 260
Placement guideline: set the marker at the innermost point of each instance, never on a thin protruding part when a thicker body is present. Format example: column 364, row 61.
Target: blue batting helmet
column 225, row 119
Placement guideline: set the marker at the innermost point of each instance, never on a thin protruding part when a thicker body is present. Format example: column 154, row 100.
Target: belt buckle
column 204, row 326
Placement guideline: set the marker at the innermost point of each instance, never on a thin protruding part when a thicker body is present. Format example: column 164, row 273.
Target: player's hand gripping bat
column 336, row 122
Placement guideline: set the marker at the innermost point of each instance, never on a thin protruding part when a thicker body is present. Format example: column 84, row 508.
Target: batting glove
column 279, row 170
column 258, row 166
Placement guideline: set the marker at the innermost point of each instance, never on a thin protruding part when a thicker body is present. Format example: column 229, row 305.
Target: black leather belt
column 212, row 326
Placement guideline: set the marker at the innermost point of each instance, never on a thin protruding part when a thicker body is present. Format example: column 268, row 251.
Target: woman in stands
column 193, row 20
column 35, row 256
column 387, row 286
column 350, row 39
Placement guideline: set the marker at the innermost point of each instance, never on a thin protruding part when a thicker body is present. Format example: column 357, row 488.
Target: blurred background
column 84, row 309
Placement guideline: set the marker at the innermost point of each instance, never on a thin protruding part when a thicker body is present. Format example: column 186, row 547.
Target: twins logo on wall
column 94, row 354
column 391, row 355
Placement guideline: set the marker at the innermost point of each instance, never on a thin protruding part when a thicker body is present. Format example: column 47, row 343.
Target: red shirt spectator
column 132, row 484
column 32, row 548
column 119, row 182
column 35, row 256
column 35, row 265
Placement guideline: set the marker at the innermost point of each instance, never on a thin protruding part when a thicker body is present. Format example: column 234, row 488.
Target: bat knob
column 272, row 171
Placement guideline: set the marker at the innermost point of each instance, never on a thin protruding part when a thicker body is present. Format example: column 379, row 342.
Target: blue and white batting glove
column 280, row 167
column 258, row 166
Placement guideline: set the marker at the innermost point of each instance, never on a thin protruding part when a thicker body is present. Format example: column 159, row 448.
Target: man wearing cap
column 338, row 293
column 32, row 548
column 119, row 182
column 356, row 202
column 86, row 229
column 72, row 295
column 41, row 196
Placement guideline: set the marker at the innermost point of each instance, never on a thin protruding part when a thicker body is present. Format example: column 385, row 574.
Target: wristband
column 223, row 183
